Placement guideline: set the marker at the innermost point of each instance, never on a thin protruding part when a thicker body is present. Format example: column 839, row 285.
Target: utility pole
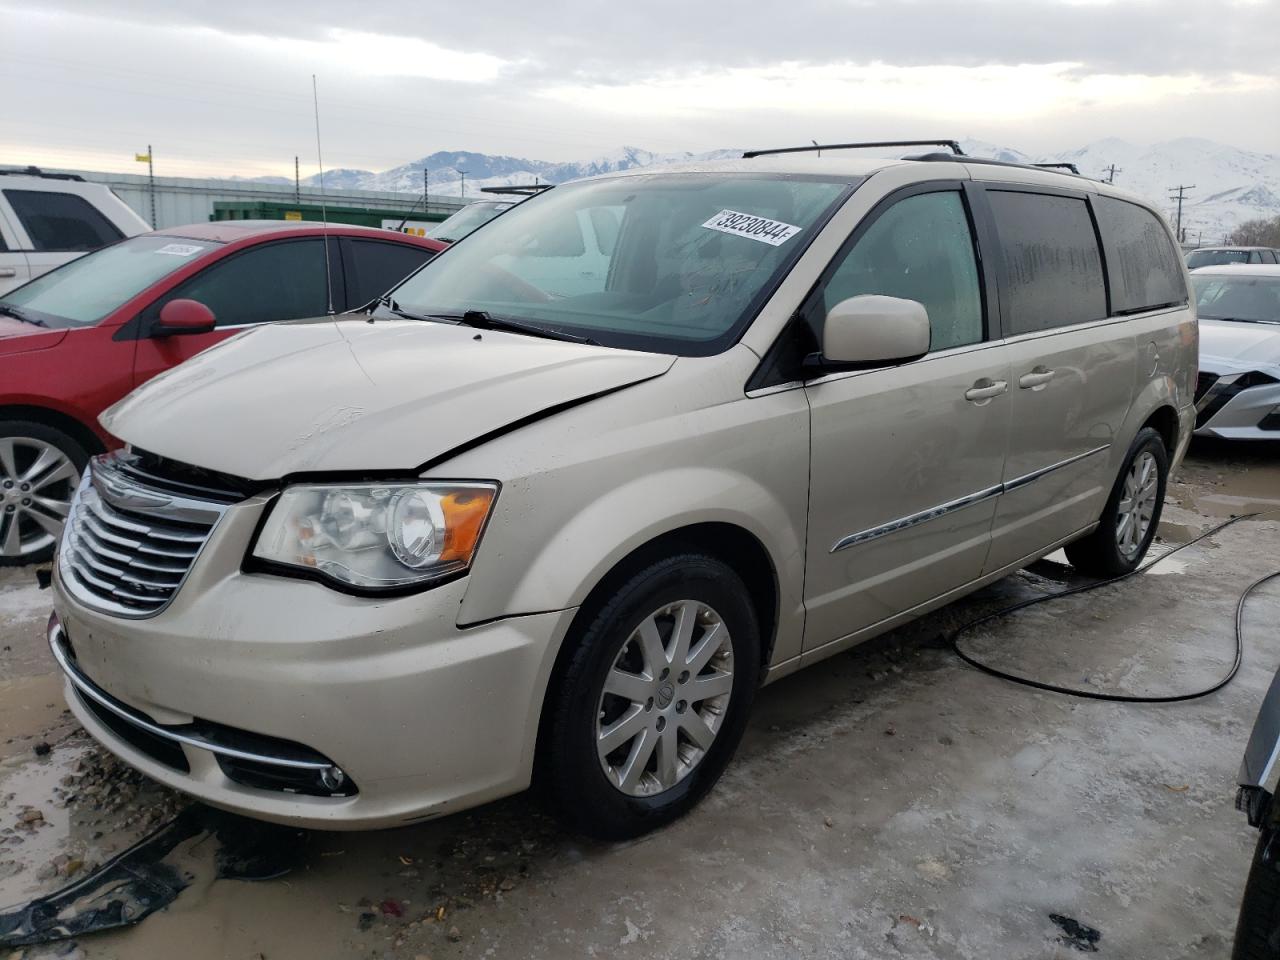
column 297, row 182
column 426, row 194
column 1182, row 189
column 462, row 173
column 151, row 180
column 1111, row 173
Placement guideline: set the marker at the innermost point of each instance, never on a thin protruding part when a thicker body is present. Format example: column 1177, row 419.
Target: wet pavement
column 892, row 803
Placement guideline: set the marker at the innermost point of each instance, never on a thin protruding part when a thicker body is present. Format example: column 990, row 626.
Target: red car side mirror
column 184, row 316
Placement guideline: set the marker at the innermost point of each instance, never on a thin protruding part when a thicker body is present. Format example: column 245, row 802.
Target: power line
column 1111, row 173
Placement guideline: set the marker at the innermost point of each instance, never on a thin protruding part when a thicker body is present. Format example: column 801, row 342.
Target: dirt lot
column 891, row 803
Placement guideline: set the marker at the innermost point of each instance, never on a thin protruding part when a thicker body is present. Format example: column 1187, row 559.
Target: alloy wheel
column 36, row 483
column 665, row 698
column 1137, row 503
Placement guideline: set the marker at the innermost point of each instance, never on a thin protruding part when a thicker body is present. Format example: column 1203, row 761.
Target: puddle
column 29, row 707
column 63, row 814
column 29, row 784
column 1168, row 565
column 1227, row 505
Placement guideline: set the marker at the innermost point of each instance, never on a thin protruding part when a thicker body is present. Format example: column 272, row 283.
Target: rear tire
column 1258, row 930
column 634, row 734
column 1120, row 542
column 40, row 467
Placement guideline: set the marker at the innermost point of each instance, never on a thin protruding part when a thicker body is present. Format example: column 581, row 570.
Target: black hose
column 953, row 637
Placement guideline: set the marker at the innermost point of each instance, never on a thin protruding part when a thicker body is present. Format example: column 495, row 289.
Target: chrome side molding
column 942, row 509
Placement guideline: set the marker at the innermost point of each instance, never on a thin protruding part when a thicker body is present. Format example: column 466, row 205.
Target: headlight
column 377, row 536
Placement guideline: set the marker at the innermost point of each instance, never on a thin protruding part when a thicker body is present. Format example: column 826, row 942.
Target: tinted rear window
column 375, row 266
column 1142, row 264
column 1052, row 268
column 1214, row 258
column 61, row 221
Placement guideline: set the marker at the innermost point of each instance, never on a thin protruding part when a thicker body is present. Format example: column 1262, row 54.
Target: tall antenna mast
column 324, row 212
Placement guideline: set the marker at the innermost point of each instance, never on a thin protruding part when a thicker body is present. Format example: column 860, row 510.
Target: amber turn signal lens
column 464, row 516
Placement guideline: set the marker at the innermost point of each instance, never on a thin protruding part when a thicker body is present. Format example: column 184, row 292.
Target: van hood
column 1239, row 343
column 351, row 395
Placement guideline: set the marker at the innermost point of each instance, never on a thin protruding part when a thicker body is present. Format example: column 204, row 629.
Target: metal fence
column 181, row 200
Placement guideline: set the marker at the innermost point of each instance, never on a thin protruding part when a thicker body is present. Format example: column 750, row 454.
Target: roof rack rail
column 32, row 171
column 952, row 145
column 1059, row 166
column 520, row 190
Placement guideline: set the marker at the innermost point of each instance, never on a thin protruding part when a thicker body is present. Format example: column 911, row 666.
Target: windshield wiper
column 21, row 315
column 484, row 320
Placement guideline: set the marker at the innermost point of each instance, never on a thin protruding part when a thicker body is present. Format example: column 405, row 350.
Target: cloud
column 583, row 40
column 225, row 88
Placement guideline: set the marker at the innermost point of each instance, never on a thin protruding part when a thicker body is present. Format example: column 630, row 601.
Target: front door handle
column 985, row 389
column 1036, row 379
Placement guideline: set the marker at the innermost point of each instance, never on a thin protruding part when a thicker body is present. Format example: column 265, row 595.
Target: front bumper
column 1252, row 413
column 424, row 717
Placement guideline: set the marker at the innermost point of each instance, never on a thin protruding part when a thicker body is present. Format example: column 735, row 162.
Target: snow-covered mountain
column 1230, row 185
column 1226, row 185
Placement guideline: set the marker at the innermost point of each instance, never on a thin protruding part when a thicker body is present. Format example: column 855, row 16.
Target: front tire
column 1131, row 515
column 39, row 468
column 652, row 700
column 1258, row 929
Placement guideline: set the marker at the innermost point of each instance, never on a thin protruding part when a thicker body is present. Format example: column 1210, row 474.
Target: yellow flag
column 142, row 157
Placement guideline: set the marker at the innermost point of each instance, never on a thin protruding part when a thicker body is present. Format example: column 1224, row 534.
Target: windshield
column 672, row 263
column 1215, row 258
column 82, row 292
column 1238, row 298
column 469, row 218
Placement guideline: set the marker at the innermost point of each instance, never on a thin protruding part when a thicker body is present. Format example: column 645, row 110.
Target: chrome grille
column 128, row 546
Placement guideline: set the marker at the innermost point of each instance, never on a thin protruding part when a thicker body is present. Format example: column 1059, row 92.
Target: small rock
column 30, row 815
column 826, row 822
column 365, row 921
column 42, row 749
column 933, row 870
column 507, row 884
column 455, row 934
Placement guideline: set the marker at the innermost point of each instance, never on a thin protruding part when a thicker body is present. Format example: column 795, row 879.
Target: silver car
column 516, row 527
column 1238, row 391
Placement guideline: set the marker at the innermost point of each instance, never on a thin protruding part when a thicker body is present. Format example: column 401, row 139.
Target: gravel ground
column 892, row 803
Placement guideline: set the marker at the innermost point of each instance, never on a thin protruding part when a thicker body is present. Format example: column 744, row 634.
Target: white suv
column 47, row 219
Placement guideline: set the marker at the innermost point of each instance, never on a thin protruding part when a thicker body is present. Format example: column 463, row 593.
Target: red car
column 77, row 339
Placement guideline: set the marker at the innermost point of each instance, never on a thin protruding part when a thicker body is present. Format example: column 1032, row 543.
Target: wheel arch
column 50, row 417
column 734, row 545
column 1164, row 420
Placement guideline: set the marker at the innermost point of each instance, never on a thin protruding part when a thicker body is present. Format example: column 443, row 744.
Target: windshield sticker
column 773, row 232
column 179, row 249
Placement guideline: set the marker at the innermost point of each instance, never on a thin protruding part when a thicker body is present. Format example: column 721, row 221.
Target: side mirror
column 874, row 331
column 183, row 316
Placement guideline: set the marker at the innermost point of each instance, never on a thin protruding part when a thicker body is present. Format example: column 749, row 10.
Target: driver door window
column 276, row 281
column 919, row 249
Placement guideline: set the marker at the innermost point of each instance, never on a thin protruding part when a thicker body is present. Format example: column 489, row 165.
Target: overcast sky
column 225, row 88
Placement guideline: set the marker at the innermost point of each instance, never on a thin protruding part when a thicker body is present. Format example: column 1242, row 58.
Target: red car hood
column 18, row 336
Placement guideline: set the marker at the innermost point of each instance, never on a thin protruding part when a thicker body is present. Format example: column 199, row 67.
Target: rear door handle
column 1036, row 379
column 985, row 389
column 8, row 271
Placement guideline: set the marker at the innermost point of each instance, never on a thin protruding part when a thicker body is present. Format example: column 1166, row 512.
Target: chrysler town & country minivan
column 509, row 527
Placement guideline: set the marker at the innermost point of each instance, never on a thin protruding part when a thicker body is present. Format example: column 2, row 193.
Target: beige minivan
column 555, row 507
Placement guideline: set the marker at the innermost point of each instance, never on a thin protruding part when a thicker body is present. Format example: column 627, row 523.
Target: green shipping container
column 274, row 210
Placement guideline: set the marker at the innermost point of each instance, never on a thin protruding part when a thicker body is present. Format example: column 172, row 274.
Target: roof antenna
column 324, row 213
column 815, row 143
